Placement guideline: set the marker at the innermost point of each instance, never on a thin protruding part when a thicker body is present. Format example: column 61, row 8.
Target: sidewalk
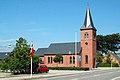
column 105, row 68
column 51, row 73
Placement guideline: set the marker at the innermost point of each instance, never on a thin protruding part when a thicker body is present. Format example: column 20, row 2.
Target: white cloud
column 8, row 40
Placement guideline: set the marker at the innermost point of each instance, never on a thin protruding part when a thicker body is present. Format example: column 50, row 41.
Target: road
column 107, row 74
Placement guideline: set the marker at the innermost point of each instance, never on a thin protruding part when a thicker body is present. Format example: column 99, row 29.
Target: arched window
column 51, row 59
column 86, row 59
column 86, row 35
column 73, row 59
column 48, row 59
column 70, row 60
column 62, row 60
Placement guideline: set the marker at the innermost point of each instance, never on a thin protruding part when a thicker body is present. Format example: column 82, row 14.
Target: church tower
column 88, row 42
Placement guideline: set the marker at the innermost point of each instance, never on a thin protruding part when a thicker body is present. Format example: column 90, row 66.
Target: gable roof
column 118, row 54
column 41, row 51
column 114, row 55
column 63, row 48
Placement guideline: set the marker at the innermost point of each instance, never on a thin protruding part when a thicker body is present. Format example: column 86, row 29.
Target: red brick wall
column 89, row 49
column 66, row 61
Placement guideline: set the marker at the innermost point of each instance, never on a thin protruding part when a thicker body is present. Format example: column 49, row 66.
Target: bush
column 115, row 64
column 68, row 68
column 107, row 65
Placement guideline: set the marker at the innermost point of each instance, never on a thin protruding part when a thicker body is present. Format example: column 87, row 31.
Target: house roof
column 41, row 51
column 114, row 55
column 63, row 48
column 3, row 55
column 88, row 23
column 118, row 54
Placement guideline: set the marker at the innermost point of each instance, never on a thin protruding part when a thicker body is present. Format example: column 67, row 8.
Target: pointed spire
column 88, row 23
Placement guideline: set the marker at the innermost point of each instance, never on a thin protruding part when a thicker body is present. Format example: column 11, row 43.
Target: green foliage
column 107, row 65
column 108, row 60
column 58, row 58
column 68, row 68
column 4, row 65
column 19, row 58
column 99, row 57
column 108, row 42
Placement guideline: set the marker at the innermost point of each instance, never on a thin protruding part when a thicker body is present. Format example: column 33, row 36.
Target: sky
column 54, row 21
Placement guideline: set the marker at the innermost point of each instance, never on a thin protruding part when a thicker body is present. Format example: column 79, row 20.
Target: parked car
column 43, row 68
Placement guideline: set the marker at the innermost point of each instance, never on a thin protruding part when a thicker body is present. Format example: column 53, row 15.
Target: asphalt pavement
column 94, row 74
column 100, row 74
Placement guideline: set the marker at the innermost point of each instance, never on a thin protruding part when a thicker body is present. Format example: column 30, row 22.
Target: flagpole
column 31, row 54
column 75, row 49
column 31, row 68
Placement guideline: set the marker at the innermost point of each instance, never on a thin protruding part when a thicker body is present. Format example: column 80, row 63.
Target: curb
column 40, row 76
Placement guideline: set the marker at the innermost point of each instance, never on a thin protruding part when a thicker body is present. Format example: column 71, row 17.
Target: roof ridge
column 64, row 43
column 42, row 48
column 116, row 56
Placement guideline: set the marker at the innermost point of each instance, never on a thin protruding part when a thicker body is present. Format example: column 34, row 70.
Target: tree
column 108, row 59
column 4, row 65
column 19, row 58
column 99, row 57
column 109, row 42
column 58, row 58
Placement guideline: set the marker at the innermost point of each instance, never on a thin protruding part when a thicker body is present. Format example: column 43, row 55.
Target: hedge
column 68, row 68
column 107, row 65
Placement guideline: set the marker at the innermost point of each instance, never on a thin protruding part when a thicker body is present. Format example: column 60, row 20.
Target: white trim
column 116, row 78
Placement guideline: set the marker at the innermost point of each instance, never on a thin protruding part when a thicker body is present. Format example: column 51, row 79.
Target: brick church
column 74, row 54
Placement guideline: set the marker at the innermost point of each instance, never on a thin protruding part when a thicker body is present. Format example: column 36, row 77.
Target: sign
column 79, row 58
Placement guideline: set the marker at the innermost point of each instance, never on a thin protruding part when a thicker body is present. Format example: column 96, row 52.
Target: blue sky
column 54, row 21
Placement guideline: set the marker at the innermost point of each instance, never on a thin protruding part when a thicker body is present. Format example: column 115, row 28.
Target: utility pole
column 75, row 49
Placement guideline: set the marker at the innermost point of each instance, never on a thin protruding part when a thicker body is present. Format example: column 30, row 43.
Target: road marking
column 116, row 78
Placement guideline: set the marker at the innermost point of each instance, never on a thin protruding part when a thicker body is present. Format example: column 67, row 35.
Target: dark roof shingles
column 41, row 51
column 63, row 48
column 114, row 55
column 3, row 55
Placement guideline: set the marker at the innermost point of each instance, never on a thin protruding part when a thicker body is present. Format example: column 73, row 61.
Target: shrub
column 107, row 65
column 115, row 64
column 68, row 68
